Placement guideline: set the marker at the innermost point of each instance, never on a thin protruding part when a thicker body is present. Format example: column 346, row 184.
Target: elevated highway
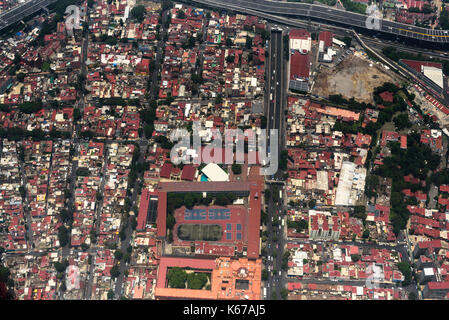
column 330, row 14
column 22, row 11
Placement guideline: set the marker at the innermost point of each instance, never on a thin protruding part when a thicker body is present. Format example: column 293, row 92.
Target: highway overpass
column 21, row 11
column 332, row 15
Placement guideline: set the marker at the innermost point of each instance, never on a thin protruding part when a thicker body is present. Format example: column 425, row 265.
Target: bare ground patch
column 355, row 77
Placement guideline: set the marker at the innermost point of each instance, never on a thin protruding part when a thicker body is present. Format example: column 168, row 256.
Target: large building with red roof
column 299, row 71
column 242, row 235
column 230, row 279
column 299, row 67
column 429, row 74
column 213, row 230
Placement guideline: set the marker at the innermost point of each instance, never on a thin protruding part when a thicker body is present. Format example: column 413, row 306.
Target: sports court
column 215, row 223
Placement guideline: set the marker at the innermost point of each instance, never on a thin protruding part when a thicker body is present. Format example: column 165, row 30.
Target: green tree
column 171, row 221
column 177, row 278
column 365, row 234
column 60, row 267
column 118, row 255
column 284, row 293
column 115, row 272
column 189, row 200
column 312, row 203
column 237, row 168
column 406, row 271
column 138, row 13
column 401, row 121
column 196, row 280
column 63, row 235
column 181, row 14
column 264, row 275
column 219, row 99
column 359, row 212
column 347, row 40
column 4, row 274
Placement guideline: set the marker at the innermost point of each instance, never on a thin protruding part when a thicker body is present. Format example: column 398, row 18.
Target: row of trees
column 16, row 134
column 190, row 199
column 354, row 6
column 426, row 9
column 5, row 277
column 148, row 115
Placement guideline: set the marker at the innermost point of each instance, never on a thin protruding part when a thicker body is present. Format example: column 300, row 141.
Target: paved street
column 276, row 95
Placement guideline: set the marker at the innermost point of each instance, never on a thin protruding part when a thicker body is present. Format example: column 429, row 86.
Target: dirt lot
column 354, row 77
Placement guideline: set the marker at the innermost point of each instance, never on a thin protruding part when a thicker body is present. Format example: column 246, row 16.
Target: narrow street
column 74, row 140
column 129, row 231
column 97, row 220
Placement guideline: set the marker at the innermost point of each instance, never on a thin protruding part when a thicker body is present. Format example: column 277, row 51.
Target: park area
column 180, row 279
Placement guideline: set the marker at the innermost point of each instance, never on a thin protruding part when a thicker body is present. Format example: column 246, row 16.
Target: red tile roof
column 188, row 173
column 417, row 65
column 326, row 36
column 299, row 66
column 166, row 170
column 299, row 34
column 143, row 210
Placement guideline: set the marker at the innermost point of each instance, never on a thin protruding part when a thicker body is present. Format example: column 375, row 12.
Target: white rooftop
column 434, row 74
column 215, row 173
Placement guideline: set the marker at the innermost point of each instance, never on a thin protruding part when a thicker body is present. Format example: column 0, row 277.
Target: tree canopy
column 138, row 13
column 177, row 278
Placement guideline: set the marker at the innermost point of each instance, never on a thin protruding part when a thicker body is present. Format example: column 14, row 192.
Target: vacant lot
column 354, row 77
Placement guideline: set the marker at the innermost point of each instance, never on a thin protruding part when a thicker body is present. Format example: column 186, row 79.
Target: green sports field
column 200, row 232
